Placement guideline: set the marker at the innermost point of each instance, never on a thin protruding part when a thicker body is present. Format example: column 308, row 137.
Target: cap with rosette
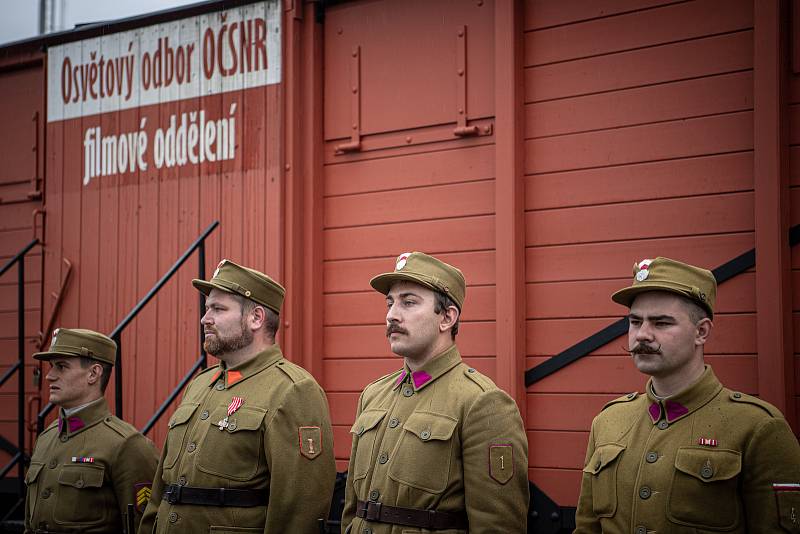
column 426, row 271
column 664, row 274
column 74, row 342
column 249, row 283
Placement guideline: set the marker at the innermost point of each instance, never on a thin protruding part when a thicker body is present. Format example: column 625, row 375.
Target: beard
column 217, row 345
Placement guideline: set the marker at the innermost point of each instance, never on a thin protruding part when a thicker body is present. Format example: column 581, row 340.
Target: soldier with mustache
column 437, row 446
column 688, row 455
column 250, row 448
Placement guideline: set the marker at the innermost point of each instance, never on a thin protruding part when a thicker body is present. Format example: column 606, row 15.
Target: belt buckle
column 373, row 511
column 173, row 494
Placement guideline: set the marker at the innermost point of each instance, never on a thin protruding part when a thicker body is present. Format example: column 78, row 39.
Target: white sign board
column 230, row 50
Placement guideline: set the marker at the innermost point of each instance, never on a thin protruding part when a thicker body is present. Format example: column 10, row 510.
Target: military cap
column 72, row 342
column 664, row 274
column 249, row 283
column 426, row 271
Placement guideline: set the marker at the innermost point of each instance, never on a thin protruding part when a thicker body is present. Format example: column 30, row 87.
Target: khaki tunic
column 84, row 472
column 705, row 460
column 264, row 447
column 443, row 438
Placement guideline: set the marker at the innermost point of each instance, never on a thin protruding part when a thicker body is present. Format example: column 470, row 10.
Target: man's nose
column 206, row 318
column 50, row 376
column 391, row 314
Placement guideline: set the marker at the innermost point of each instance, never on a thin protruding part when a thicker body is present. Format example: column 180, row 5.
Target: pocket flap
column 367, row 421
column 245, row 418
column 603, row 456
column 81, row 475
column 182, row 414
column 431, row 425
column 709, row 465
column 33, row 472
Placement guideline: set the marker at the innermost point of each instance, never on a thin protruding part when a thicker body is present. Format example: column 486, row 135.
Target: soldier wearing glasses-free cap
column 250, row 447
column 688, row 455
column 87, row 466
column 436, row 445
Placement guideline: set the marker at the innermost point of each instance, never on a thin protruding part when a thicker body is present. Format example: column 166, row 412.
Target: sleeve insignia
column 142, row 490
column 788, row 497
column 501, row 462
column 310, row 441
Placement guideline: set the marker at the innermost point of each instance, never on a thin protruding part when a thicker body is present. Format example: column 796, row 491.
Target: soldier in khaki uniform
column 436, row 445
column 688, row 455
column 250, row 447
column 87, row 466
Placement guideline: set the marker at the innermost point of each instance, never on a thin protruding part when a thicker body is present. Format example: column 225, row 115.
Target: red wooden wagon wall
column 21, row 172
column 542, row 146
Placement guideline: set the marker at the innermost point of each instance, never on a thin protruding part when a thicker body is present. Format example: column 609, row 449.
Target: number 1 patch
column 310, row 441
column 501, row 462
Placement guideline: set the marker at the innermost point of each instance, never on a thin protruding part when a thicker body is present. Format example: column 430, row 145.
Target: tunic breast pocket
column 178, row 425
column 602, row 466
column 365, row 430
column 235, row 451
column 421, row 459
column 81, row 499
column 703, row 493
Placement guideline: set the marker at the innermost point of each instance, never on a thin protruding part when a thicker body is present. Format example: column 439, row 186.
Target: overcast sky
column 19, row 19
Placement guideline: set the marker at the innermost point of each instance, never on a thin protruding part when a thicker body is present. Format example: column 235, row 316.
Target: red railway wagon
column 540, row 145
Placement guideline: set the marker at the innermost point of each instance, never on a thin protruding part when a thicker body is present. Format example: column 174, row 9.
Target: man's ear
column 704, row 327
column 449, row 318
column 95, row 373
column 257, row 318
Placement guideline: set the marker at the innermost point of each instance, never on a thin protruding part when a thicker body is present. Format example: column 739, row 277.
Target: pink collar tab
column 74, row 423
column 420, row 378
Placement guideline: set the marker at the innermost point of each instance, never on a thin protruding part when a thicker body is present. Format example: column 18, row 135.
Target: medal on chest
column 235, row 404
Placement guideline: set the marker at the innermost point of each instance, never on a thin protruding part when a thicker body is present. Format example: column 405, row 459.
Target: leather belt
column 177, row 494
column 411, row 517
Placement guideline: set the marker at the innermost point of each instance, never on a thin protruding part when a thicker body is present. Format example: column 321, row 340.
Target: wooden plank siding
column 22, row 88
column 639, row 143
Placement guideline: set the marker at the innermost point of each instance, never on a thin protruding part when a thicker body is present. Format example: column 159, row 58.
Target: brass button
column 663, row 425
column 706, row 472
column 383, row 458
column 204, row 415
column 220, row 386
column 645, row 492
column 63, row 438
column 79, row 484
column 651, row 457
column 641, row 530
column 191, row 447
column 232, row 425
column 374, row 495
column 470, row 370
column 737, row 395
column 53, row 463
column 173, row 517
column 46, row 493
column 631, row 395
column 407, row 391
column 393, row 422
column 425, row 434
column 182, row 481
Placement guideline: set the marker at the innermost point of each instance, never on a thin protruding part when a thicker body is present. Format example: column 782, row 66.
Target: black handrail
column 724, row 272
column 198, row 244
column 199, row 364
column 19, row 458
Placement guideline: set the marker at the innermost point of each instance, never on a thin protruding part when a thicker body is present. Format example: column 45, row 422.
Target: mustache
column 642, row 348
column 393, row 328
